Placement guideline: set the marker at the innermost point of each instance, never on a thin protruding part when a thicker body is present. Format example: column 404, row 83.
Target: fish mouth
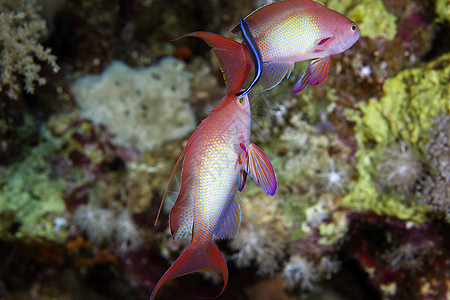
column 349, row 41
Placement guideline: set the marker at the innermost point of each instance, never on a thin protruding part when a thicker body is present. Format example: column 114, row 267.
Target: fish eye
column 241, row 100
column 354, row 27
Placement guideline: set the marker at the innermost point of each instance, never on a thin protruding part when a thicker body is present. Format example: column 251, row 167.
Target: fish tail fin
column 233, row 57
column 196, row 258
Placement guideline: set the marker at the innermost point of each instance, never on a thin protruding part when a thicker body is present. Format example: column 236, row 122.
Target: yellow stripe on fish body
column 218, row 178
column 292, row 37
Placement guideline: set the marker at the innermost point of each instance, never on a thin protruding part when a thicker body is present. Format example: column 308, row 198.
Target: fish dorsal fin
column 273, row 73
column 170, row 180
column 314, row 74
column 230, row 219
column 275, row 10
column 181, row 218
column 191, row 139
column 231, row 56
column 260, row 169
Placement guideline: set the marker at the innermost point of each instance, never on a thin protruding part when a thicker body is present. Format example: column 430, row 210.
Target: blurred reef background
column 97, row 103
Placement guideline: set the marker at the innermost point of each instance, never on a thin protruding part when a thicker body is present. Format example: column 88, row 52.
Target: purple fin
column 260, row 169
column 273, row 73
column 241, row 180
column 230, row 219
column 302, row 82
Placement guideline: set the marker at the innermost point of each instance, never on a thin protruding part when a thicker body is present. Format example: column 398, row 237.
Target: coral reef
column 435, row 188
column 412, row 100
column 31, row 198
column 136, row 105
column 362, row 160
column 21, row 28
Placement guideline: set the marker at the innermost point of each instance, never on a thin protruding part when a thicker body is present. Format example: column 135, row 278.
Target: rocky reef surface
column 97, row 103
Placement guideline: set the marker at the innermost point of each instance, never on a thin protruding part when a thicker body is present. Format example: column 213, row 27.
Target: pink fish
column 217, row 158
column 285, row 32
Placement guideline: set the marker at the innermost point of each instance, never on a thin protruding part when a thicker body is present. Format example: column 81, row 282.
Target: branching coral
column 21, row 27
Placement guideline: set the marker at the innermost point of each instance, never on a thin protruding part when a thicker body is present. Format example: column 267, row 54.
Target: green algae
column 371, row 16
column 412, row 99
column 31, row 199
column 442, row 10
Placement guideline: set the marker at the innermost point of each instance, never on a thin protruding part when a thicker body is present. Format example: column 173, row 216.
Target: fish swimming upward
column 217, row 158
column 285, row 32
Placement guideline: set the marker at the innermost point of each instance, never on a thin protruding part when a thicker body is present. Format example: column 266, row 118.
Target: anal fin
column 274, row 72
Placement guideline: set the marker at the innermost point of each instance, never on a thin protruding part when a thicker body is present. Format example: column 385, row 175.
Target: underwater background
column 97, row 103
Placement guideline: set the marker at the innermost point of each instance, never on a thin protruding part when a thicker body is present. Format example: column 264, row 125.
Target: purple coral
column 260, row 244
column 399, row 168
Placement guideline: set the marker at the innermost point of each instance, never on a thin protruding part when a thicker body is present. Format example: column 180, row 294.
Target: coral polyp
column 399, row 168
column 334, row 180
column 261, row 245
column 101, row 225
column 300, row 271
column 97, row 223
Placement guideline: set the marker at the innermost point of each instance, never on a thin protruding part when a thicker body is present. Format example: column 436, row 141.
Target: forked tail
column 196, row 258
column 234, row 59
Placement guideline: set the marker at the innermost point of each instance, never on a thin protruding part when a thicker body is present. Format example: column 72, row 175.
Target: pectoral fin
column 260, row 169
column 314, row 74
column 319, row 68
